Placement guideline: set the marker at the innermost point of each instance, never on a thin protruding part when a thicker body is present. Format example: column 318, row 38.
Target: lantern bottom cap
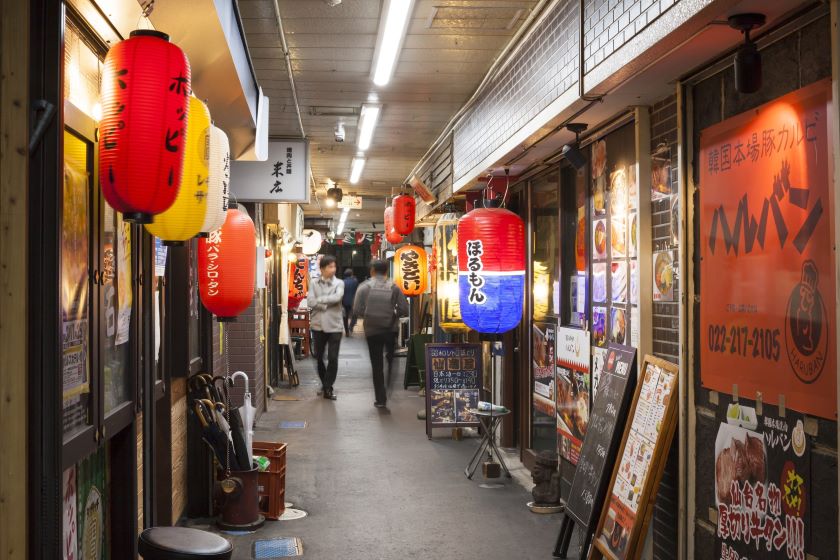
column 170, row 243
column 204, row 234
column 138, row 217
column 149, row 33
column 226, row 319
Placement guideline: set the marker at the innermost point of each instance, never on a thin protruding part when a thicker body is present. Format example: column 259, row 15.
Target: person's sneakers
column 329, row 395
column 379, row 404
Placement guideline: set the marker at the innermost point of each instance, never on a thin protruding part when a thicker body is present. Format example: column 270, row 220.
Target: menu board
column 609, row 411
column 572, row 391
column 642, row 454
column 453, row 382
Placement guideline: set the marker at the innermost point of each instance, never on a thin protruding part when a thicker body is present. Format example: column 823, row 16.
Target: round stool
column 182, row 543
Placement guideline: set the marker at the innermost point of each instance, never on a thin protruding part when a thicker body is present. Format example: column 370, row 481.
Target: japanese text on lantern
column 180, row 86
column 213, row 241
column 410, row 270
column 475, row 265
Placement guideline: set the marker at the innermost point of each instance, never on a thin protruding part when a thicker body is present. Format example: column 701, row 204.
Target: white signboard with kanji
column 283, row 177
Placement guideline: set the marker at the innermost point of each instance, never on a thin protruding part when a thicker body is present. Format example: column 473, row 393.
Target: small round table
column 489, row 421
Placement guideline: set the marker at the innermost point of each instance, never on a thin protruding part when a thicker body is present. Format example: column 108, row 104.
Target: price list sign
column 453, row 383
column 642, row 456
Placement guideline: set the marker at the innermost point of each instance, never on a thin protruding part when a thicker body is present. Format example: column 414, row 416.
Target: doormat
column 285, row 398
column 292, row 425
column 284, row 547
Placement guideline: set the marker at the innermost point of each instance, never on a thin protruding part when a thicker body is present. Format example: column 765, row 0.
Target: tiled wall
column 609, row 24
column 541, row 70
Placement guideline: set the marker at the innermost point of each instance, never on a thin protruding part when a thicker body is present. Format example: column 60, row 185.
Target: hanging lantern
column 411, row 272
column 390, row 234
column 227, row 267
column 491, row 269
column 145, row 88
column 446, row 274
column 312, row 241
column 404, row 210
column 297, row 282
column 219, row 183
column 183, row 220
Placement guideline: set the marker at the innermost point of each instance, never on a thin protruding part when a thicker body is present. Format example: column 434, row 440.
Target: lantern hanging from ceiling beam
column 404, row 211
column 391, row 234
column 227, row 266
column 218, row 190
column 183, row 220
column 446, row 274
column 411, row 270
column 145, row 92
column 491, row 269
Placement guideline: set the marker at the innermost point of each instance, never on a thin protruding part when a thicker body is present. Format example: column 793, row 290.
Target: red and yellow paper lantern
column 491, row 269
column 227, row 267
column 391, row 234
column 298, row 281
column 411, row 272
column 404, row 210
column 145, row 92
column 183, row 220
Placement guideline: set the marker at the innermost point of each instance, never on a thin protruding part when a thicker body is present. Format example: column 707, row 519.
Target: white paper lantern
column 219, row 181
column 311, row 241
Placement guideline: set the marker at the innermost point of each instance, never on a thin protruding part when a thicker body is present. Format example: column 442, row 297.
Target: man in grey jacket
column 326, row 321
column 380, row 303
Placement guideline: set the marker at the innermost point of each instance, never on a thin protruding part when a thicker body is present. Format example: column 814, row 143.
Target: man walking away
column 324, row 298
column 380, row 303
column 350, row 286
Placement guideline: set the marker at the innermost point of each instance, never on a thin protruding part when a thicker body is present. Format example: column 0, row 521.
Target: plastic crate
column 271, row 484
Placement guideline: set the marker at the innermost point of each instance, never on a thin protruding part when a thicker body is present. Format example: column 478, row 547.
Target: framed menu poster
column 642, row 455
column 453, row 383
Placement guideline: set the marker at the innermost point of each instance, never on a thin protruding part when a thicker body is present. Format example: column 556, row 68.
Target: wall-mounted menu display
column 597, row 456
column 453, row 382
column 641, row 460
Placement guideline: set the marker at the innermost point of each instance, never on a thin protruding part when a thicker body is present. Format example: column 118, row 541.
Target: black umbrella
column 214, row 436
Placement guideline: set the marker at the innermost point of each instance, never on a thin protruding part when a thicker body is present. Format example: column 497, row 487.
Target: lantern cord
column 507, row 187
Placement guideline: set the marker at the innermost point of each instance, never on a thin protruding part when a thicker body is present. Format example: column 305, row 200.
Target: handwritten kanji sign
column 283, row 177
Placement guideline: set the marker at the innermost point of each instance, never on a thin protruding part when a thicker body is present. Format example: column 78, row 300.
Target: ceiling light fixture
column 572, row 151
column 356, row 169
column 392, row 28
column 747, row 58
column 367, row 123
column 334, row 196
column 340, row 229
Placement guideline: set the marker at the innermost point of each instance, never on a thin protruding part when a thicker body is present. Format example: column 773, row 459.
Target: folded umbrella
column 248, row 412
column 210, row 431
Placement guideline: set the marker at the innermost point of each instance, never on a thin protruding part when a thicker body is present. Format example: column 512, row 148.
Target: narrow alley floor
column 375, row 487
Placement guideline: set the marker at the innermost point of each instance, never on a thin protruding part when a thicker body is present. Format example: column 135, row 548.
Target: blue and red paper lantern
column 491, row 269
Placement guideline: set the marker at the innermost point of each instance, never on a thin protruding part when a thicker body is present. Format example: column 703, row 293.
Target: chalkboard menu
column 606, row 425
column 641, row 461
column 453, row 382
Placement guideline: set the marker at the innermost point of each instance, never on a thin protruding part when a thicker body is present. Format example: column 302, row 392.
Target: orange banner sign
column 767, row 279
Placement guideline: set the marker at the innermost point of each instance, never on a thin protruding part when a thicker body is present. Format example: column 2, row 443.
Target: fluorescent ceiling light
column 340, row 229
column 356, row 169
column 391, row 32
column 367, row 123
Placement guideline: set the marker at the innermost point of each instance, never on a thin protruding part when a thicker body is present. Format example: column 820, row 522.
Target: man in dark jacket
column 350, row 286
column 381, row 304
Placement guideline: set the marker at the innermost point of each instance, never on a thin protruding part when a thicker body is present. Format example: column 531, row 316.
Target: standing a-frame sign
column 642, row 455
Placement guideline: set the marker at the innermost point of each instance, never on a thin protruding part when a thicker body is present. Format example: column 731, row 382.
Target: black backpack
column 381, row 307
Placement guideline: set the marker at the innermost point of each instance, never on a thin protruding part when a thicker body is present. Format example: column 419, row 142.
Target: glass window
column 117, row 301
column 75, row 285
column 575, row 252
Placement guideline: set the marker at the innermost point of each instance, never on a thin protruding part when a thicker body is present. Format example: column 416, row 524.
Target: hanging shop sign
column 423, row 191
column 283, row 177
column 642, row 455
column 145, row 88
column 353, row 202
column 573, row 389
column 762, row 490
column 766, row 224
column 297, row 281
column 491, row 269
column 411, row 271
column 600, row 446
column 542, row 367
column 453, row 383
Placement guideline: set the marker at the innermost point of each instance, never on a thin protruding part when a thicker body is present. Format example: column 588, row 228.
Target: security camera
column 339, row 132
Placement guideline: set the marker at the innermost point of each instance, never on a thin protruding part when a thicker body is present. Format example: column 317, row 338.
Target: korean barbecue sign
column 283, row 177
column 767, row 286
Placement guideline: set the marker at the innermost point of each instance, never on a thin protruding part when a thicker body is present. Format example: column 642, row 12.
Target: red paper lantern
column 411, row 270
column 145, row 93
column 390, row 233
column 227, row 266
column 404, row 210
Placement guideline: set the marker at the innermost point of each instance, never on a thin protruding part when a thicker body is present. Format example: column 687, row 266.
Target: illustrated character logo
column 806, row 326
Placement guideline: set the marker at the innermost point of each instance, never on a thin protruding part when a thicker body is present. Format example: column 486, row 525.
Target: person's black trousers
column 349, row 320
column 329, row 343
column 377, row 343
